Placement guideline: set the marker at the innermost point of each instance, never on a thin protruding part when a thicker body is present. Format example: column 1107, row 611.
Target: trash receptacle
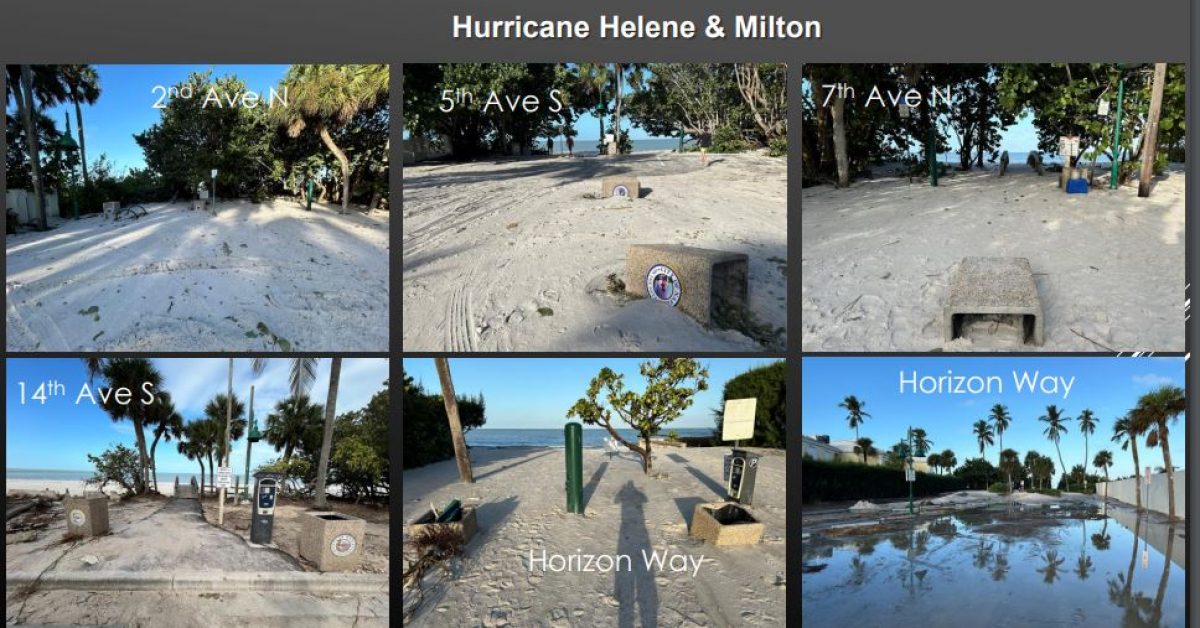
column 743, row 468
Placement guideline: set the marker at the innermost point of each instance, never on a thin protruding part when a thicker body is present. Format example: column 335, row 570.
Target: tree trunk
column 615, row 147
column 200, row 461
column 153, row 462
column 211, row 480
column 335, row 372
column 83, row 162
column 343, row 161
column 838, row 110
column 31, row 143
column 456, row 433
column 647, row 461
column 1150, row 145
column 144, row 461
column 1066, row 476
column 1166, row 450
column 1137, row 472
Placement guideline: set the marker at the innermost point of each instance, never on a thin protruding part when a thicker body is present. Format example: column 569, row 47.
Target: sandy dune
column 180, row 280
column 521, row 507
column 514, row 255
column 877, row 258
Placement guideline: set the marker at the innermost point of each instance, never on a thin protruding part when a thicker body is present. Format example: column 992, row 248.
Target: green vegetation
column 723, row 107
column 767, row 384
column 671, row 383
column 426, row 427
column 843, row 481
column 118, row 464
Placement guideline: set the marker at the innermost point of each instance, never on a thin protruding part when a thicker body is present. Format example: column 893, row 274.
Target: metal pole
column 249, row 443
column 931, row 156
column 225, row 449
column 910, row 464
column 1116, row 154
column 574, row 438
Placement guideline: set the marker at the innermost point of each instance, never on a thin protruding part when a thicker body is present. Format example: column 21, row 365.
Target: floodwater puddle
column 1006, row 566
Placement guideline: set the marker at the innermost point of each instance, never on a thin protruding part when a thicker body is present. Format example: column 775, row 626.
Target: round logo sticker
column 621, row 191
column 663, row 284
column 343, row 545
column 78, row 517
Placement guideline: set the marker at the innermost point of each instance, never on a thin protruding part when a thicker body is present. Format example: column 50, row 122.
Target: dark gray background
column 381, row 31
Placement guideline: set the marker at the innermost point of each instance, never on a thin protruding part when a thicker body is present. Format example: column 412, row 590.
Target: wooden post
column 1150, row 142
column 225, row 444
column 456, row 433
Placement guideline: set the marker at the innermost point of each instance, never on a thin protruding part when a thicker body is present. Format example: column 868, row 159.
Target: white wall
column 21, row 201
column 1126, row 491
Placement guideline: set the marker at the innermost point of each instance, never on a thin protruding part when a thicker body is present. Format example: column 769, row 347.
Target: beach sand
column 514, row 255
column 521, row 507
column 877, row 258
column 73, row 487
column 181, row 280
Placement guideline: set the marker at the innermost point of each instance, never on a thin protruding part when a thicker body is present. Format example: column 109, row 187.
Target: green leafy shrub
column 728, row 139
column 843, row 481
column 998, row 487
column 777, row 147
column 426, row 428
column 767, row 384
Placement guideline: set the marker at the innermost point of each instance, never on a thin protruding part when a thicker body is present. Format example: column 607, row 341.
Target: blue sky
column 126, row 104
column 537, row 392
column 60, row 434
column 1107, row 386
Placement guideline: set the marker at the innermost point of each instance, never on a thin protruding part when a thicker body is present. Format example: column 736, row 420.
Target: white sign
column 737, row 422
column 214, row 173
column 910, row 475
column 1103, row 108
column 224, row 477
column 1068, row 145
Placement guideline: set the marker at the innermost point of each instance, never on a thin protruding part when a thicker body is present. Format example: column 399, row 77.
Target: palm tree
column 1010, row 461
column 292, row 425
column 168, row 424
column 854, row 412
column 216, row 412
column 1054, row 431
column 132, row 374
column 1053, row 562
column 26, row 109
column 1000, row 420
column 594, row 78
column 935, row 462
column 865, row 447
column 327, row 97
column 949, row 460
column 622, row 72
column 192, row 448
column 1087, row 426
column 1158, row 409
column 83, row 87
column 1126, row 431
column 1103, row 461
column 920, row 442
column 983, row 434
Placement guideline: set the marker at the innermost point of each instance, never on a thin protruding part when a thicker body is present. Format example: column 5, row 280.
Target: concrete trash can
column 87, row 515
column 332, row 541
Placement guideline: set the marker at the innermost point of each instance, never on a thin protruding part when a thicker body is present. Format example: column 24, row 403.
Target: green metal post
column 574, row 436
column 1116, row 154
column 310, row 194
column 250, row 443
column 931, row 156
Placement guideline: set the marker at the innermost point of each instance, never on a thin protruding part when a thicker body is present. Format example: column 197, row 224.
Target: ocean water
column 588, row 147
column 67, row 475
column 592, row 438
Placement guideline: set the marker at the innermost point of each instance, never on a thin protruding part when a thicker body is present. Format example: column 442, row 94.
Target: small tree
column 665, row 397
column 119, row 464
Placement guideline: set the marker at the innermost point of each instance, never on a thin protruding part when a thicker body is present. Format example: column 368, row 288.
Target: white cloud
column 1151, row 380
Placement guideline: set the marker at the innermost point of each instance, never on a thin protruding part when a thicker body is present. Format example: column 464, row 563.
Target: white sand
column 877, row 259
column 73, row 487
column 521, row 501
column 487, row 244
column 180, row 280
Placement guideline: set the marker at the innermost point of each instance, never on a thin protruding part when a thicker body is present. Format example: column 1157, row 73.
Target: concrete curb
column 301, row 581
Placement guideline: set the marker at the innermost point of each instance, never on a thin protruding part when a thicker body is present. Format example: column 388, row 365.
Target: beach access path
column 173, row 562
column 878, row 257
column 521, row 507
column 515, row 254
column 183, row 280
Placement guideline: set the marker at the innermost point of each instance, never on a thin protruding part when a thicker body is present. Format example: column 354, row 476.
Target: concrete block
column 110, row 209
column 87, row 515
column 466, row 525
column 332, row 540
column 994, row 286
column 723, row 523
column 692, row 279
column 624, row 187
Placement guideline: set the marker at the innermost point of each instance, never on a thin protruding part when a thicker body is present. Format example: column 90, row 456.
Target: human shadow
column 716, row 487
column 589, row 489
column 644, row 192
column 634, row 588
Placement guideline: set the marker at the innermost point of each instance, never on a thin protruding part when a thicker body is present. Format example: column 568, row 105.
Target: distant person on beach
column 549, row 145
column 570, row 146
column 1003, row 163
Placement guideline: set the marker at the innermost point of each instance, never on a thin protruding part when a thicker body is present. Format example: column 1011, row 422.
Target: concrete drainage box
column 620, row 187
column 466, row 524
column 333, row 541
column 723, row 523
column 994, row 286
column 692, row 279
column 87, row 516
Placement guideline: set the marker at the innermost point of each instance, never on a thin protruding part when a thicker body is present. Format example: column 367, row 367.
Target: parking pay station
column 741, row 466
column 262, row 517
